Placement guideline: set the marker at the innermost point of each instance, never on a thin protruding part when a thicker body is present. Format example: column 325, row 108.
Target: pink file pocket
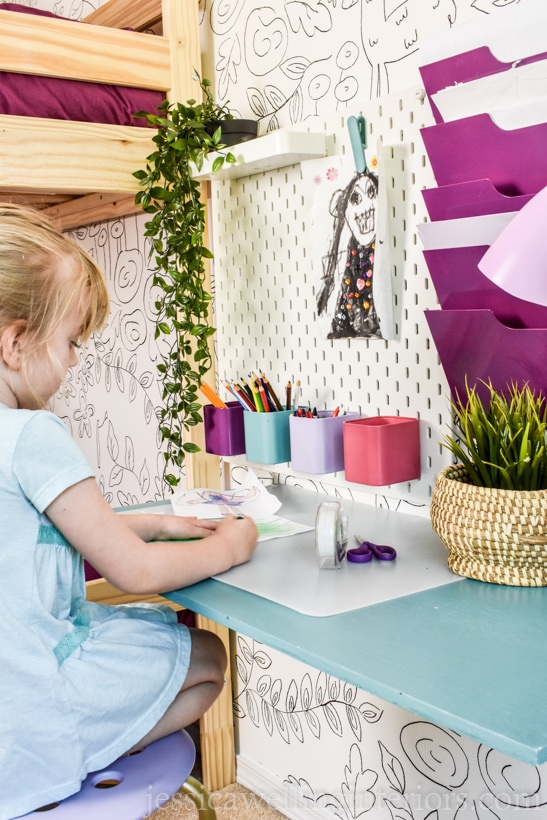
column 382, row 450
column 224, row 430
column 514, row 161
column 476, row 197
column 474, row 346
column 461, row 285
column 317, row 444
column 463, row 68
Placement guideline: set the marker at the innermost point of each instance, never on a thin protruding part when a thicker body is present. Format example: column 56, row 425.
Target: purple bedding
column 58, row 99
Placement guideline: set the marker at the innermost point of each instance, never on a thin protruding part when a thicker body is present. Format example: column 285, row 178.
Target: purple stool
column 136, row 785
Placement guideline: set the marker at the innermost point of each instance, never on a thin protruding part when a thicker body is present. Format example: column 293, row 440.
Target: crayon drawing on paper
column 346, row 229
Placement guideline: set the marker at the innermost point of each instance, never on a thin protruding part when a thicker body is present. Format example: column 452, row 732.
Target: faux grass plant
column 501, row 443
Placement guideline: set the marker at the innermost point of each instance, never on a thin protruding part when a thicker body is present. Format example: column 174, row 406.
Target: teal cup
column 267, row 437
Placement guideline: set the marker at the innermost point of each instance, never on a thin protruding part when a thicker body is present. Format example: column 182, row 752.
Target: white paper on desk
column 514, row 99
column 276, row 527
column 510, row 34
column 250, row 498
column 463, row 233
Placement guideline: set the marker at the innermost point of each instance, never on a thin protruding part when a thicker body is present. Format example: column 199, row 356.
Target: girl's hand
column 238, row 534
column 152, row 527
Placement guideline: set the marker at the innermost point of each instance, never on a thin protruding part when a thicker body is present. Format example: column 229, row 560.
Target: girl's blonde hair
column 34, row 285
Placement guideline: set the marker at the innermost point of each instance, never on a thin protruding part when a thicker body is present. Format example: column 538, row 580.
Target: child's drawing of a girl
column 350, row 272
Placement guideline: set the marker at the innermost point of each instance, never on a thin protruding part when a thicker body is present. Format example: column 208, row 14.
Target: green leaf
column 190, row 447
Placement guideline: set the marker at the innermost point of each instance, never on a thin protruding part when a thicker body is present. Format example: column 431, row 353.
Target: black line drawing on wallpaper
column 285, row 61
column 111, row 400
column 511, row 782
column 292, row 59
column 391, row 31
column 356, row 795
column 302, row 706
column 440, row 758
column 435, row 753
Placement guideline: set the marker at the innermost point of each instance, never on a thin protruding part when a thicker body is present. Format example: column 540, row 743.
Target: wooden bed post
column 181, row 25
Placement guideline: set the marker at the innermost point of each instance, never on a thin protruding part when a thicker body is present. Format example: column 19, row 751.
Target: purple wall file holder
column 463, row 68
column 477, row 197
column 473, row 344
column 382, row 450
column 475, row 148
column 224, row 431
column 317, row 445
column 460, row 285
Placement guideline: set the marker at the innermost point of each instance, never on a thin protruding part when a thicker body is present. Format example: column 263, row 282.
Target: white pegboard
column 265, row 307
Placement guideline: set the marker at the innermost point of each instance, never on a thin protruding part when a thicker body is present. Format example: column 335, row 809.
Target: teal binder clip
column 358, row 136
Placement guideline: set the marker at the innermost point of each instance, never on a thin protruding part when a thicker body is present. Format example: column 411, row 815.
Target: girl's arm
column 152, row 527
column 137, row 566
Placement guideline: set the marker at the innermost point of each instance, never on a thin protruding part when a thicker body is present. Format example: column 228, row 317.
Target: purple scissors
column 367, row 550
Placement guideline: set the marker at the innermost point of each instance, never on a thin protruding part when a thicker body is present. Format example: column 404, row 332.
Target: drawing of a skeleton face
column 361, row 211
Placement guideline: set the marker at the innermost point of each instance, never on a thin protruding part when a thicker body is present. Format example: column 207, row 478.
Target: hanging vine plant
column 186, row 134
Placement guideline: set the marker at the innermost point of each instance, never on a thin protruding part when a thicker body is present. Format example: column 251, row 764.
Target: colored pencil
column 210, row 394
column 271, row 391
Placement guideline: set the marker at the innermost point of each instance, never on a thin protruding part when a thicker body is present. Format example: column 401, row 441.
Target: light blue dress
column 80, row 683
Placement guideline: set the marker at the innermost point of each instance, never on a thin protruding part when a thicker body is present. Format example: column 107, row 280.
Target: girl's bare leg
column 203, row 685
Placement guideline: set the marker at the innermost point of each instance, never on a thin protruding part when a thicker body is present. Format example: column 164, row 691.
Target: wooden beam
column 71, row 157
column 203, row 469
column 86, row 210
column 74, row 50
column 126, row 14
column 217, row 725
column 181, row 27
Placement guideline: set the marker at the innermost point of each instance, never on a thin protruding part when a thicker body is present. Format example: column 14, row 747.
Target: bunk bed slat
column 83, row 52
column 70, row 157
column 126, row 14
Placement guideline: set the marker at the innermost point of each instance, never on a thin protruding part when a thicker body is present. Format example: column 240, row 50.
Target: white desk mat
column 284, row 570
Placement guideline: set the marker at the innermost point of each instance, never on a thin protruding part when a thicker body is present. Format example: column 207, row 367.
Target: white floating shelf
column 274, row 150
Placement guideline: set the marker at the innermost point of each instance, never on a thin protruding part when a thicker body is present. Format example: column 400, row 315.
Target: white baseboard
column 282, row 796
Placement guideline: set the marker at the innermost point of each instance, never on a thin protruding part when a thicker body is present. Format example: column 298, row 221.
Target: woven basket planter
column 498, row 536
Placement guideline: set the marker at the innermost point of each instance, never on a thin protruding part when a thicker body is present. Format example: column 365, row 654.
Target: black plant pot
column 234, row 131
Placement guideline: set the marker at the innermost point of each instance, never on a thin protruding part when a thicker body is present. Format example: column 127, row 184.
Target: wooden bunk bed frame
column 56, row 163
column 79, row 173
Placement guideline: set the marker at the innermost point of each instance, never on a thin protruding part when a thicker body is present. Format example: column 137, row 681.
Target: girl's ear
column 12, row 344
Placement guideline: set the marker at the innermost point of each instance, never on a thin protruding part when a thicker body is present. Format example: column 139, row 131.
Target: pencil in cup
column 213, row 397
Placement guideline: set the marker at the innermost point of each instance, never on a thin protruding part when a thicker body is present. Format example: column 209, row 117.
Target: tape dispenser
column 331, row 535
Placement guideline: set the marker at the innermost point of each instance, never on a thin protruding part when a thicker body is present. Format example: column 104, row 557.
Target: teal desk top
column 469, row 656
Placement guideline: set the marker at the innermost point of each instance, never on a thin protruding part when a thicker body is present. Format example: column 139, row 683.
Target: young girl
column 81, row 683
